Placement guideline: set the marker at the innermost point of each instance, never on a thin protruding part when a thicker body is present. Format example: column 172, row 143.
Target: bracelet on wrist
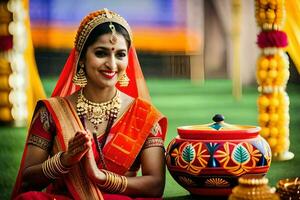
column 114, row 183
column 53, row 168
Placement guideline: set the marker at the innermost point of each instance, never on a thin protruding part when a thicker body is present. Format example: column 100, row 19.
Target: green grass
column 184, row 104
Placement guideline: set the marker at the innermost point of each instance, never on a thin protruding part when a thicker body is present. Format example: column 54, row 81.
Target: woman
column 89, row 140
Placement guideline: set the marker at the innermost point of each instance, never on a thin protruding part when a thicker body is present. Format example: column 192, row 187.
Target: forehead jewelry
column 113, row 37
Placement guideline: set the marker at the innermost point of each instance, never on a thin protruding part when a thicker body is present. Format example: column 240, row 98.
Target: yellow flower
column 272, row 73
column 263, row 117
column 270, row 15
column 272, row 142
column 262, row 15
column 262, row 75
column 274, row 102
column 273, row 63
column 265, row 132
column 274, row 132
column 268, row 81
column 284, row 131
column 263, row 2
column 263, row 63
column 263, row 101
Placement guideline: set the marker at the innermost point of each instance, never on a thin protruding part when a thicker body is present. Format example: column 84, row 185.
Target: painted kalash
column 209, row 159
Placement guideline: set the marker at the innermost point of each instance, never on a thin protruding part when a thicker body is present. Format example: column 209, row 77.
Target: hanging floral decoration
column 272, row 72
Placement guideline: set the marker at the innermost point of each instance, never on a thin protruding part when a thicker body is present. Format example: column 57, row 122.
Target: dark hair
column 101, row 30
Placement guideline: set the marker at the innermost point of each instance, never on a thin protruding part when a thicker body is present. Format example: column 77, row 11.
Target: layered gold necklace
column 97, row 113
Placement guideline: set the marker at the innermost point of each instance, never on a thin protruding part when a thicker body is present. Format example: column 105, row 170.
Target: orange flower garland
column 272, row 75
column 6, row 45
column 270, row 14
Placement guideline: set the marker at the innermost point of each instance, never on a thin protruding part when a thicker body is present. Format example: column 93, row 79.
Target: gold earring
column 124, row 80
column 79, row 78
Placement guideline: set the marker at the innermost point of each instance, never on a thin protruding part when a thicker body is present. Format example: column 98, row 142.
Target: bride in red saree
column 99, row 128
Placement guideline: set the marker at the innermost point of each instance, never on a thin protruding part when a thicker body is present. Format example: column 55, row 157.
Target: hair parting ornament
column 113, row 38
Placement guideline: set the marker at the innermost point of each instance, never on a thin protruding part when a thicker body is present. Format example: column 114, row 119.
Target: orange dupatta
column 130, row 134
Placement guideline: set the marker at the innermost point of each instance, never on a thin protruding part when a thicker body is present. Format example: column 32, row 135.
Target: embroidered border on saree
column 67, row 123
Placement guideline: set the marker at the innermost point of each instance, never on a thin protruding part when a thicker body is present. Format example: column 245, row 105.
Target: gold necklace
column 97, row 113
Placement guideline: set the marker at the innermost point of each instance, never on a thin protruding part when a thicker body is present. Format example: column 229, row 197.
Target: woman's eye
column 100, row 53
column 121, row 54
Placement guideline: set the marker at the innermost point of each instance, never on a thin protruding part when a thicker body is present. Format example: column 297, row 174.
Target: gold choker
column 97, row 113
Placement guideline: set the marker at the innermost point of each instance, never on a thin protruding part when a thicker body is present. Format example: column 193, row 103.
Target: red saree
column 128, row 136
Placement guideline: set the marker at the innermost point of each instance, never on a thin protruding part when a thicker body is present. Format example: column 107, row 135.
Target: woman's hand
column 78, row 146
column 91, row 168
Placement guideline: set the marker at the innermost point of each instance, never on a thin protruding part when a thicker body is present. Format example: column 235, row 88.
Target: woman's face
column 106, row 62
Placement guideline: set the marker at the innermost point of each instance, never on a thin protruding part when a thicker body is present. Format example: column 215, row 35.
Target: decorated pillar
column 272, row 76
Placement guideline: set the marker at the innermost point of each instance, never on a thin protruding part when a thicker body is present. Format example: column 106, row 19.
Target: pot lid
column 218, row 130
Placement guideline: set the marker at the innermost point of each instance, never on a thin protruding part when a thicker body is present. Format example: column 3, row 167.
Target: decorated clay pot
column 208, row 159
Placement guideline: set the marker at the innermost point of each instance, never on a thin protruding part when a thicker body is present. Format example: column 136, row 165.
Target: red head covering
column 137, row 85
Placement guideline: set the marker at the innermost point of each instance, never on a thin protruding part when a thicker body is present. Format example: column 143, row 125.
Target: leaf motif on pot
column 240, row 154
column 188, row 153
column 216, row 182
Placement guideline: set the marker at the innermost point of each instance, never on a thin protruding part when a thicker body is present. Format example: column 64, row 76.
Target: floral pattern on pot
column 219, row 163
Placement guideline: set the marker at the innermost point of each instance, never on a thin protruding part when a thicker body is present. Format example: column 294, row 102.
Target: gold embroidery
column 45, row 119
column 156, row 129
column 153, row 142
column 39, row 141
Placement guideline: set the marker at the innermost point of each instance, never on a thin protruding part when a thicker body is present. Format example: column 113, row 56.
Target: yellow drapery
column 292, row 29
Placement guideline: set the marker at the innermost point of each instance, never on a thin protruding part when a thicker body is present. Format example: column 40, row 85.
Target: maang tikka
column 79, row 78
column 113, row 37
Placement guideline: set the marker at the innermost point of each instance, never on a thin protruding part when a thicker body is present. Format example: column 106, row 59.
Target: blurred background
column 174, row 38
column 202, row 54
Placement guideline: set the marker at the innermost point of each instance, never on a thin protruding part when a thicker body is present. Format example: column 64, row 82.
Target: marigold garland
column 6, row 45
column 272, row 72
column 270, row 14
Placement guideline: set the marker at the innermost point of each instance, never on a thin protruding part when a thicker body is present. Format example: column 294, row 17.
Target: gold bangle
column 50, row 167
column 53, row 168
column 47, row 171
column 124, row 184
column 60, row 167
column 114, row 183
